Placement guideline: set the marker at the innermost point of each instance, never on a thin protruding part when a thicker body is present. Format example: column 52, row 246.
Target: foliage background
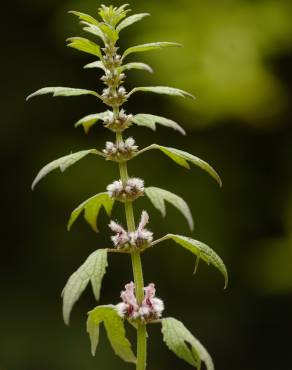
column 237, row 61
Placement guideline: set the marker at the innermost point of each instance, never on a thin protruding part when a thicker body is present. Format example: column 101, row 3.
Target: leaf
column 158, row 197
column 91, row 208
column 63, row 163
column 178, row 339
column 130, row 20
column 109, row 32
column 85, row 17
column 134, row 65
column 148, row 47
column 62, row 91
column 150, row 120
column 115, row 330
column 88, row 121
column 94, row 30
column 161, row 90
column 92, row 270
column 97, row 64
column 82, row 44
column 201, row 250
column 182, row 158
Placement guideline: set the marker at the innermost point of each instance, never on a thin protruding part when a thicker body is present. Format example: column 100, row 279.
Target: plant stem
column 137, row 271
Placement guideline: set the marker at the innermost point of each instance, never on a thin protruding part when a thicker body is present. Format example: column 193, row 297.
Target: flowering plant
column 139, row 305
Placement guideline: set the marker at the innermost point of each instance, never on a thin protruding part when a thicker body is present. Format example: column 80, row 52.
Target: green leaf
column 62, row 91
column 94, row 30
column 113, row 15
column 181, row 341
column 85, row 17
column 150, row 120
column 148, row 47
column 201, row 250
column 109, row 32
column 97, row 64
column 182, row 158
column 92, row 270
column 91, row 208
column 115, row 330
column 82, row 44
column 130, row 20
column 88, row 121
column 161, row 90
column 63, row 163
column 134, row 65
column 158, row 197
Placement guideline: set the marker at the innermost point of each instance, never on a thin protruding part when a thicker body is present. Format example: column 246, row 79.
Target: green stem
column 137, row 271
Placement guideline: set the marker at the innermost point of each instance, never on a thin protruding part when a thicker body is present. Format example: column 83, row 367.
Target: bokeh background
column 237, row 60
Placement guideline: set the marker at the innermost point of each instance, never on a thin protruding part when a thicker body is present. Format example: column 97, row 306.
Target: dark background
column 237, row 60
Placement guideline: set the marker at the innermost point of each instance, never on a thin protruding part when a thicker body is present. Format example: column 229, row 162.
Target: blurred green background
column 237, row 60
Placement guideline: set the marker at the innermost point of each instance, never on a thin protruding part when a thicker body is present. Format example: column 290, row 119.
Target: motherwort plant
column 139, row 305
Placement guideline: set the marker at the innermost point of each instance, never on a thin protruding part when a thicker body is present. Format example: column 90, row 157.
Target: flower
column 131, row 190
column 141, row 236
column 121, row 238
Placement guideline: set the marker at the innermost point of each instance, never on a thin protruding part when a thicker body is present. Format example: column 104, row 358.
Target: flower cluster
column 131, row 190
column 122, row 151
column 139, row 238
column 118, row 124
column 111, row 97
column 150, row 309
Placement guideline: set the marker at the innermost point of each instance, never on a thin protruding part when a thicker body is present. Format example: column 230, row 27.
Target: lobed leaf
column 115, row 330
column 88, row 121
column 85, row 17
column 91, row 208
column 85, row 45
column 92, row 270
column 63, row 163
column 134, row 65
column 158, row 197
column 130, row 20
column 62, row 91
column 182, row 158
column 201, row 250
column 181, row 341
column 150, row 120
column 148, row 47
column 161, row 90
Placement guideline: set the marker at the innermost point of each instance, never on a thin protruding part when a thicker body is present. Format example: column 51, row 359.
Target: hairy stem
column 137, row 271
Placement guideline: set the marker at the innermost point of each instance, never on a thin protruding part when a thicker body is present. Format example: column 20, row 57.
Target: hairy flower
column 119, row 124
column 122, row 151
column 150, row 309
column 121, row 236
column 131, row 190
column 141, row 237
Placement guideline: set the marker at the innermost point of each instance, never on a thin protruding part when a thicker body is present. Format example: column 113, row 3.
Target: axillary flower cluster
column 139, row 305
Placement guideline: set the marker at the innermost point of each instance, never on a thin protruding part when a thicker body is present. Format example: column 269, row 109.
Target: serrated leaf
column 158, row 197
column 63, row 163
column 134, row 65
column 150, row 120
column 88, row 121
column 92, row 270
column 178, row 339
column 199, row 249
column 91, row 208
column 130, row 20
column 161, row 90
column 85, row 45
column 182, row 158
column 148, row 47
column 96, row 64
column 115, row 330
column 62, row 91
column 94, row 30
column 85, row 17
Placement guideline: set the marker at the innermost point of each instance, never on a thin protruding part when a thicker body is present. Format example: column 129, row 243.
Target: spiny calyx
column 127, row 191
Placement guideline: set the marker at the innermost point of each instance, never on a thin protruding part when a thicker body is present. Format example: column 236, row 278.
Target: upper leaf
column 115, row 330
column 96, row 64
column 85, row 17
column 201, row 250
column 148, row 47
column 93, row 269
column 63, row 163
column 88, row 121
column 91, row 208
column 134, row 65
column 150, row 120
column 158, row 197
column 94, row 30
column 130, row 20
column 62, row 91
column 182, row 158
column 162, row 90
column 181, row 341
column 113, row 15
column 82, row 44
